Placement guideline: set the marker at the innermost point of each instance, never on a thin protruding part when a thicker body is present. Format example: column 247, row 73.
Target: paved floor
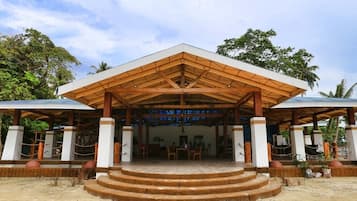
column 182, row 167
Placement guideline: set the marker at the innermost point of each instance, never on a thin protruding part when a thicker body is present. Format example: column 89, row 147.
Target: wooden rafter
column 236, row 78
column 128, row 78
column 168, row 80
column 120, row 99
column 197, row 79
column 178, row 91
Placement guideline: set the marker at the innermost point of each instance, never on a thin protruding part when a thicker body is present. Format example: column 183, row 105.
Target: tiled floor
column 182, row 167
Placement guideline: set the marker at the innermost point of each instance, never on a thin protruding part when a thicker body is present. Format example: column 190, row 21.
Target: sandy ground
column 41, row 189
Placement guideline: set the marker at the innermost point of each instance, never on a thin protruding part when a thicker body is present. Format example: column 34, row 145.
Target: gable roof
column 224, row 71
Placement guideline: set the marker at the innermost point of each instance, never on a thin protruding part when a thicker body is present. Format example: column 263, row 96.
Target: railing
column 84, row 151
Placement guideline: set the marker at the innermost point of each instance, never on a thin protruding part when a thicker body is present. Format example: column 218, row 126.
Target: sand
column 43, row 189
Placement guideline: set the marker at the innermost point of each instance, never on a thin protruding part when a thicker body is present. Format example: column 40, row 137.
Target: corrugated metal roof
column 64, row 104
column 300, row 102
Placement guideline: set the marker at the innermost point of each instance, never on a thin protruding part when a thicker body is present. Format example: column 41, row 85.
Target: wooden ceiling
column 184, row 81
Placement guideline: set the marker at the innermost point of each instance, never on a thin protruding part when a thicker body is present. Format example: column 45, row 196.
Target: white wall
column 171, row 134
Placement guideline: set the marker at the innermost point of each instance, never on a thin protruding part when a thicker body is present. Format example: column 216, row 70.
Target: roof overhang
column 203, row 68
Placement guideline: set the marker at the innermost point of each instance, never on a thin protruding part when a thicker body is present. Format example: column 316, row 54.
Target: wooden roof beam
column 236, row 78
column 120, row 99
column 196, row 80
column 178, row 91
column 168, row 80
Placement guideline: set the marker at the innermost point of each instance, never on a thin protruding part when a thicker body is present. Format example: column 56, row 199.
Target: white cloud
column 120, row 30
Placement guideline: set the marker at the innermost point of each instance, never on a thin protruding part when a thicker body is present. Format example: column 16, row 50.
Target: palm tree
column 101, row 67
column 340, row 92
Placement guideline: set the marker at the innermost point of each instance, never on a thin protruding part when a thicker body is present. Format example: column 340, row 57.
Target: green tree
column 34, row 65
column 255, row 47
column 341, row 91
column 101, row 67
column 31, row 67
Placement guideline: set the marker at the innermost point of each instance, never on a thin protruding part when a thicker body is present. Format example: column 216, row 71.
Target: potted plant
column 326, row 171
column 304, row 166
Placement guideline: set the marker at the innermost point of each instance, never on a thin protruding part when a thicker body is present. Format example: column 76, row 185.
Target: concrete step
column 188, row 175
column 93, row 187
column 183, row 190
column 163, row 181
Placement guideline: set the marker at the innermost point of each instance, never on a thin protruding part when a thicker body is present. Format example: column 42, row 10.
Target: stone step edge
column 116, row 175
column 182, row 176
column 269, row 190
column 183, row 190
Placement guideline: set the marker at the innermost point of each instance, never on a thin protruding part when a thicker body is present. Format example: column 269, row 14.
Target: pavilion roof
column 200, row 77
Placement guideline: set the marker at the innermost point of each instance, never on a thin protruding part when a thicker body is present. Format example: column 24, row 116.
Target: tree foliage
column 101, row 67
column 255, row 47
column 32, row 66
column 341, row 91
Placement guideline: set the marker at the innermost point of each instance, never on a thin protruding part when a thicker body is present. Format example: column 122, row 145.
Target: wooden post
column 116, row 152
column 327, row 150
column 70, row 118
column 315, row 122
column 225, row 134
column 269, row 152
column 107, row 108
column 147, row 134
column 294, row 118
column 258, row 107
column 40, row 151
column 128, row 117
column 140, row 131
column 351, row 116
column 237, row 115
column 17, row 117
column 95, row 151
column 217, row 136
column 248, row 152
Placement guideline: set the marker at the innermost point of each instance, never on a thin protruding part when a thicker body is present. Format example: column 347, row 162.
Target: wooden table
column 181, row 149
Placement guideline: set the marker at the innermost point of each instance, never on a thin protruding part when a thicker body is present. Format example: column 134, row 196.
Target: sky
column 118, row 31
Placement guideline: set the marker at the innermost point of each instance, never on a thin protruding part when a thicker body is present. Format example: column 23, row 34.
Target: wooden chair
column 197, row 153
column 171, row 153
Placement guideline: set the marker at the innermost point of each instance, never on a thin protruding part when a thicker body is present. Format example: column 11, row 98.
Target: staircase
column 125, row 185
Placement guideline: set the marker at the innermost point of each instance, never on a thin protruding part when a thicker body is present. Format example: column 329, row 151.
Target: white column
column 259, row 142
column 49, row 142
column 106, row 142
column 238, row 143
column 68, row 144
column 318, row 140
column 127, row 141
column 297, row 142
column 351, row 138
column 307, row 139
column 13, row 142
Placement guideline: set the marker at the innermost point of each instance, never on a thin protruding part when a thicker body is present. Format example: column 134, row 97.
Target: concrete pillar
column 307, row 139
column 281, row 140
column 106, row 142
column 68, row 144
column 297, row 142
column 238, row 143
column 259, row 142
column 49, row 142
column 318, row 140
column 351, row 138
column 127, row 144
column 13, row 143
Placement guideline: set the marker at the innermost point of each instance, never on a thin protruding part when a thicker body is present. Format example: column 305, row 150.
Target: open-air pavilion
column 182, row 99
column 181, row 95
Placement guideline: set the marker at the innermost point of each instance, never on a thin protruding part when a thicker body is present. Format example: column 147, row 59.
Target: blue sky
column 117, row 31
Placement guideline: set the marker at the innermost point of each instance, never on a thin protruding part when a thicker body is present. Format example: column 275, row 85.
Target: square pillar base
column 49, row 142
column 351, row 138
column 127, row 144
column 13, row 143
column 297, row 142
column 238, row 143
column 259, row 142
column 68, row 145
column 318, row 140
column 106, row 142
